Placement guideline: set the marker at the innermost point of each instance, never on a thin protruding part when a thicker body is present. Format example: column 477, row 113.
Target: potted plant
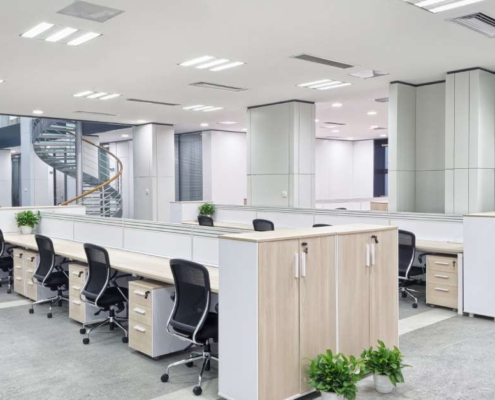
column 207, row 209
column 386, row 366
column 334, row 375
column 27, row 220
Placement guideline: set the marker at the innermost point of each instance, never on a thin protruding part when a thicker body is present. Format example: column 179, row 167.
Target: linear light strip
column 96, row 95
column 84, row 94
column 212, row 63
column 60, row 35
column 84, row 38
column 38, row 29
column 193, row 107
column 196, row 61
column 203, row 108
column 213, row 109
column 454, row 5
column 427, row 3
column 335, row 86
column 110, row 96
column 226, row 66
column 314, row 83
column 325, row 84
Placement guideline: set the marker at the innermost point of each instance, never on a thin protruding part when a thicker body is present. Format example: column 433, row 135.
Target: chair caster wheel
column 49, row 315
column 82, row 331
column 404, row 295
column 415, row 305
column 86, row 341
column 197, row 391
column 125, row 339
column 31, row 311
column 189, row 364
column 164, row 378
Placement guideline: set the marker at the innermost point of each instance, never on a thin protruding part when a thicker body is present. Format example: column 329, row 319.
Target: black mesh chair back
column 320, row 225
column 407, row 250
column 98, row 272
column 192, row 296
column 203, row 220
column 263, row 225
column 46, row 257
column 2, row 244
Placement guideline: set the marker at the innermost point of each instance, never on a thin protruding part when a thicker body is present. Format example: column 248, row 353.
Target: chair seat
column 414, row 271
column 111, row 296
column 6, row 263
column 208, row 331
column 56, row 279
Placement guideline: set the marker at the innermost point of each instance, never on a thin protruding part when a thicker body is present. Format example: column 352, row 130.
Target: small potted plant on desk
column 386, row 366
column 27, row 220
column 207, row 209
column 335, row 375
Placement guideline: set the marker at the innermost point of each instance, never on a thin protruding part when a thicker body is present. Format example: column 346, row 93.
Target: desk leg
column 460, row 283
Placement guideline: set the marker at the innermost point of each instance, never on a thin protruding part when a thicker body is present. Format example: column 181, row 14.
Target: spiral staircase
column 54, row 142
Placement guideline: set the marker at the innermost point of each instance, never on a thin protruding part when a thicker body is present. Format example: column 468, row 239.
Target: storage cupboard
column 289, row 295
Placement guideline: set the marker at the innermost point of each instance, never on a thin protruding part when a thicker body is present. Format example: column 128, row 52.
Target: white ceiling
column 138, row 54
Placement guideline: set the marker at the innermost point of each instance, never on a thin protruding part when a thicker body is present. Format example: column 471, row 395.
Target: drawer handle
column 76, row 302
column 32, row 259
column 441, row 263
column 29, row 271
column 18, row 267
column 139, row 329
column 20, row 255
column 441, row 289
column 140, row 311
column 442, row 276
column 78, row 273
column 76, row 287
column 30, row 283
column 142, row 294
column 19, row 279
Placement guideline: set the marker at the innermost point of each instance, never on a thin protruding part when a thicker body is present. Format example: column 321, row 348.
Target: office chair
column 191, row 319
column 263, row 225
column 407, row 252
column 6, row 263
column 101, row 290
column 205, row 221
column 50, row 273
column 320, row 225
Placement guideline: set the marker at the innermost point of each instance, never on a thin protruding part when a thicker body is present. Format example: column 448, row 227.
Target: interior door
column 353, row 293
column 384, row 323
column 318, row 300
column 278, row 320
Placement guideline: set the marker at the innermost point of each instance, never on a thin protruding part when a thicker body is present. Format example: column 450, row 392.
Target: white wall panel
column 205, row 250
column 430, row 191
column 287, row 220
column 267, row 190
column 461, row 191
column 100, row 234
column 461, row 118
column 164, row 244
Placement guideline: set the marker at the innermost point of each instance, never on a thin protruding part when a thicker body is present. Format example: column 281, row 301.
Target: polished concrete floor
column 452, row 358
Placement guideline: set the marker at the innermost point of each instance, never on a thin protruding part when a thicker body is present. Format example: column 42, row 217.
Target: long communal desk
column 143, row 265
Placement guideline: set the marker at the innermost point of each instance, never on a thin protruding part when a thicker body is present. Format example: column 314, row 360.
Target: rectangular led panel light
column 436, row 6
column 84, row 38
column 38, row 29
column 60, row 35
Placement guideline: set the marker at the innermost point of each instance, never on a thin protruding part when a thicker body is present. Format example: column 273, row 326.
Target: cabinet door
column 353, row 293
column 278, row 321
column 384, row 301
column 318, row 300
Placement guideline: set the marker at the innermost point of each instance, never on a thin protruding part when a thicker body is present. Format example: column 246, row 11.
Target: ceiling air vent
column 379, row 128
column 90, row 11
column 159, row 103
column 478, row 22
column 207, row 85
column 324, row 61
column 382, row 100
column 96, row 113
column 334, row 123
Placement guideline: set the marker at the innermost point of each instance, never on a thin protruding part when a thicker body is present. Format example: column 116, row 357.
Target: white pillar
column 154, row 171
column 281, row 154
column 5, row 178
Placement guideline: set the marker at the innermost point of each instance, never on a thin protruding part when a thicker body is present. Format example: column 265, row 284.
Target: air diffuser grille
column 208, row 85
column 90, row 11
column 478, row 22
column 159, row 103
column 324, row 61
column 96, row 113
column 382, row 100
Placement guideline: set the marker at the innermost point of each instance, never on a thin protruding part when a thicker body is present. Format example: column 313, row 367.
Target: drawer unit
column 150, row 306
column 442, row 281
column 25, row 264
column 31, row 290
column 19, row 285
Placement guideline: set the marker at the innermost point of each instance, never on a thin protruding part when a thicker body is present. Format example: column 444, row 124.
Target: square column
column 281, row 154
column 154, row 171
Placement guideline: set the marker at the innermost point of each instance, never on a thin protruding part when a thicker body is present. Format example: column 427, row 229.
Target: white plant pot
column 383, row 384
column 330, row 396
column 26, row 230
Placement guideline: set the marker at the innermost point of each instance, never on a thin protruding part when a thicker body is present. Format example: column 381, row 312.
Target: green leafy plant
column 207, row 209
column 28, row 218
column 335, row 373
column 384, row 361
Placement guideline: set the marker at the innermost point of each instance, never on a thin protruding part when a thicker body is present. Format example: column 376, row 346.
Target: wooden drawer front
column 77, row 309
column 442, row 264
column 140, row 314
column 19, row 284
column 31, row 290
column 441, row 295
column 18, row 257
column 441, row 278
column 75, row 289
column 141, row 338
column 18, row 270
column 30, row 261
column 77, row 274
column 140, row 295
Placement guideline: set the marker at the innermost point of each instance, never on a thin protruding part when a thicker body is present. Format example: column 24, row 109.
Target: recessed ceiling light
column 204, row 124
column 2, row 81
column 60, row 35
column 317, row 120
column 84, row 38
column 335, row 86
column 368, row 74
column 373, row 126
column 96, row 95
column 210, row 64
column 451, row 6
column 125, row 135
column 196, row 61
column 227, row 66
column 383, row 135
column 244, row 129
column 228, row 123
column 193, row 107
column 337, row 105
column 314, row 82
column 200, row 107
column 37, row 112
column 213, row 109
column 372, row 113
column 12, row 151
column 435, row 6
column 323, row 84
column 84, row 94
column 335, row 131
column 141, row 121
column 110, row 96
column 38, row 29
column 203, row 108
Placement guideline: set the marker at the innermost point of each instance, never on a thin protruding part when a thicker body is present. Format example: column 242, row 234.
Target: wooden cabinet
column 442, row 281
column 25, row 264
column 287, row 296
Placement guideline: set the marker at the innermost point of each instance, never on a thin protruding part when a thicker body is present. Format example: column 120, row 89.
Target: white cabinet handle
column 18, row 267
column 140, row 311
column 20, row 255
column 296, row 265
column 303, row 264
column 30, row 283
column 442, row 276
column 441, row 289
column 29, row 271
column 32, row 259
column 76, row 302
column 139, row 329
column 441, row 263
column 139, row 293
column 19, row 279
column 367, row 255
column 76, row 287
column 372, row 253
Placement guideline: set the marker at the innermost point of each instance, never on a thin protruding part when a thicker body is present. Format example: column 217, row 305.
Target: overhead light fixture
column 12, row 151
column 60, row 35
column 244, row 129
column 89, row 94
column 83, row 94
column 314, row 83
column 323, row 84
column 228, row 123
column 38, row 29
column 203, row 108
column 110, row 96
column 2, row 81
column 84, row 38
column 337, row 105
column 372, row 113
column 213, row 109
column 141, row 121
column 37, row 112
column 451, row 6
column 195, row 61
column 317, row 120
column 368, row 74
column 125, row 135
column 204, row 124
column 96, row 95
column 335, row 131
column 211, row 63
column 436, row 6
column 193, row 107
column 200, row 107
column 227, row 66
column 384, row 135
column 374, row 127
